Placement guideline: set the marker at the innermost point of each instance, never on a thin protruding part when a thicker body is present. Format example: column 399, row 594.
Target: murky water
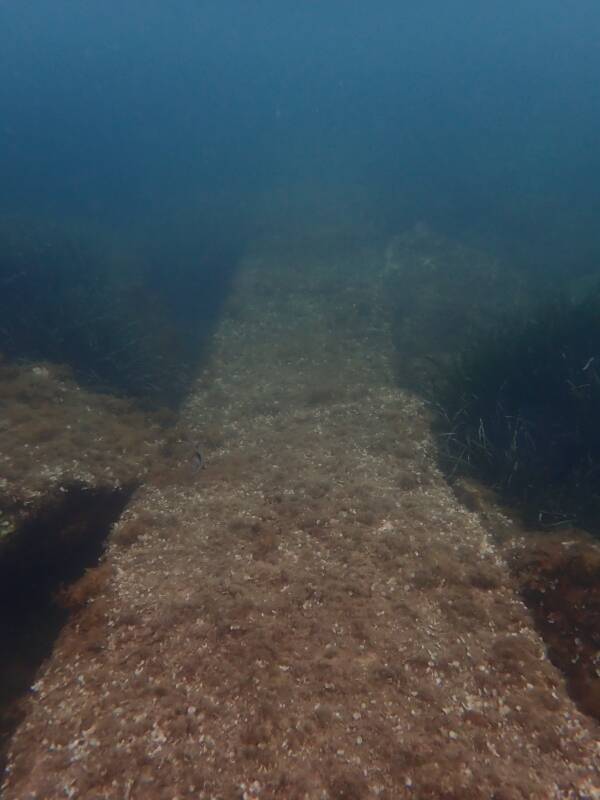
column 322, row 283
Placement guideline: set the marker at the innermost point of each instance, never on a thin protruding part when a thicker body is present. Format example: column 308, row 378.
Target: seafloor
column 314, row 614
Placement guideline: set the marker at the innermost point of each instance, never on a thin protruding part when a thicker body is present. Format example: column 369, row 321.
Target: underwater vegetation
column 48, row 570
column 68, row 296
column 560, row 583
column 520, row 408
column 442, row 294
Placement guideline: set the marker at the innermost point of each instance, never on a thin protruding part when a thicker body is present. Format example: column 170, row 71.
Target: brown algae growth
column 315, row 614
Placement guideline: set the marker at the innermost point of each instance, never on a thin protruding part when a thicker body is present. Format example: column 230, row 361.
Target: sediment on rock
column 40, row 564
column 314, row 614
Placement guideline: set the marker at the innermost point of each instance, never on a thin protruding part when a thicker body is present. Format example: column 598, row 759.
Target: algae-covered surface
column 314, row 614
column 69, row 461
column 54, row 433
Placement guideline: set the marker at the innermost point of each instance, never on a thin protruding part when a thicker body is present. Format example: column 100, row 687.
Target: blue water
column 144, row 147
column 475, row 117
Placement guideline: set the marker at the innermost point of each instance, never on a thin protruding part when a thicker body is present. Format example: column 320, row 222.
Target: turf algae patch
column 314, row 615
column 53, row 433
column 559, row 578
column 42, row 569
column 69, row 459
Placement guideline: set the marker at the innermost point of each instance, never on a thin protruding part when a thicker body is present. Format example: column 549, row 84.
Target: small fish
column 198, row 460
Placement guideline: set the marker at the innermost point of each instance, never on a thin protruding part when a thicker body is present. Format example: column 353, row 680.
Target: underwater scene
column 299, row 400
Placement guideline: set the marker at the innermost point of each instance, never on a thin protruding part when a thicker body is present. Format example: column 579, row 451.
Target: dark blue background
column 478, row 118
